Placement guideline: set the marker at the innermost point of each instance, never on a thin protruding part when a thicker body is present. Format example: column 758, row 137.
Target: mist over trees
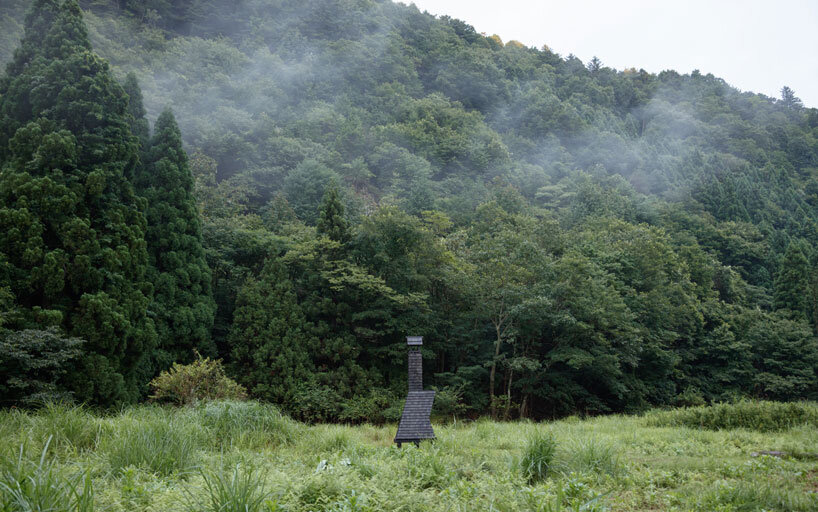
column 568, row 238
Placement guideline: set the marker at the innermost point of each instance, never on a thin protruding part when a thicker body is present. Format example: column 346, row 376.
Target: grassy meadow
column 245, row 456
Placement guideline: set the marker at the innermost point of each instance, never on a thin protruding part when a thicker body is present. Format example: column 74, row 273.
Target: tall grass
column 245, row 424
column 755, row 415
column 161, row 445
column 238, row 490
column 27, row 485
column 589, row 454
column 742, row 496
column 538, row 457
column 70, row 428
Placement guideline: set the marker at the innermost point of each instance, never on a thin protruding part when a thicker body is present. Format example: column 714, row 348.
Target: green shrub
column 538, row 457
column 239, row 490
column 158, row 445
column 31, row 364
column 203, row 379
column 760, row 416
column 40, row 486
column 246, row 423
column 314, row 404
column 368, row 408
column 449, row 402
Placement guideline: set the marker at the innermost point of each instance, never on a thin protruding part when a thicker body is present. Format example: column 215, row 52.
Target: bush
column 203, row 379
column 449, row 402
column 32, row 362
column 368, row 408
column 538, row 457
column 760, row 416
column 312, row 403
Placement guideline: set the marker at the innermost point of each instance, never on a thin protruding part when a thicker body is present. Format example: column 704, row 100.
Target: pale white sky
column 754, row 45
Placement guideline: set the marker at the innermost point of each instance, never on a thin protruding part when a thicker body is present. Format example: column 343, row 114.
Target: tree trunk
column 508, row 394
column 493, row 371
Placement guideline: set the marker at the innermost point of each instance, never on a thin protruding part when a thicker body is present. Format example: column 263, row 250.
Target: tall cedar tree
column 136, row 107
column 792, row 282
column 331, row 221
column 71, row 228
column 183, row 304
column 269, row 339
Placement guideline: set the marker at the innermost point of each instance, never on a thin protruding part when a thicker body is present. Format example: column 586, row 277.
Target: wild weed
column 755, row 415
column 590, row 455
column 161, row 446
column 246, row 424
column 40, row 486
column 69, row 427
column 538, row 456
column 237, row 490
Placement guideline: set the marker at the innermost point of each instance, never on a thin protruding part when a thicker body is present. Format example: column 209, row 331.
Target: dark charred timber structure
column 415, row 425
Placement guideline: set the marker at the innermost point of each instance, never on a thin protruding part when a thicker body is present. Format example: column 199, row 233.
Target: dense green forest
column 293, row 186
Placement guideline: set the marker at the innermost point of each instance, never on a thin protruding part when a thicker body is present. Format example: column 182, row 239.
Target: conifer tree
column 183, row 303
column 71, row 229
column 270, row 345
column 792, row 282
column 136, row 107
column 331, row 221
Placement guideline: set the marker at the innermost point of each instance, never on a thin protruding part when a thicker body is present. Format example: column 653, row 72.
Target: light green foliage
column 70, row 429
column 27, row 484
column 751, row 415
column 537, row 457
column 157, row 443
column 203, row 379
column 247, row 423
column 237, row 490
column 170, row 459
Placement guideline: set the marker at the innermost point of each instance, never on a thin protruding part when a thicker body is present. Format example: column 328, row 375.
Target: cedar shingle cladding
column 414, row 423
column 415, row 371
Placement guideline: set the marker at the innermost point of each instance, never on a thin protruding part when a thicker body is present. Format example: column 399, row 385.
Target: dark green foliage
column 182, row 305
column 305, row 187
column 136, row 108
column 569, row 238
column 271, row 344
column 331, row 221
column 33, row 362
column 792, row 282
column 71, row 230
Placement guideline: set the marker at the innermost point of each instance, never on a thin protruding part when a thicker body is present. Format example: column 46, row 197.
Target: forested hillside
column 568, row 238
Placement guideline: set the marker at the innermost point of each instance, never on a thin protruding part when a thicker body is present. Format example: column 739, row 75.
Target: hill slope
column 568, row 236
